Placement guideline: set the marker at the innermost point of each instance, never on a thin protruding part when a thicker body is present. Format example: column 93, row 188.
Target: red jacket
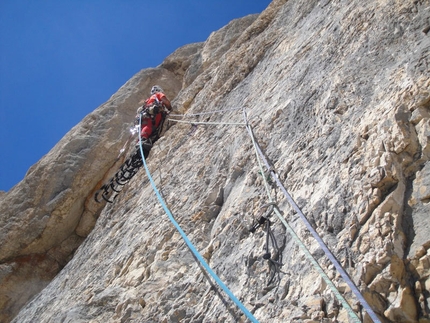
column 153, row 98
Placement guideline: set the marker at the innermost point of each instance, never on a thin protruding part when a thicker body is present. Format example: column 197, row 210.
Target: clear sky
column 60, row 60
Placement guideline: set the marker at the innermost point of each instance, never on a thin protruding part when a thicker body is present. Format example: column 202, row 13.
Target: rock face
column 338, row 97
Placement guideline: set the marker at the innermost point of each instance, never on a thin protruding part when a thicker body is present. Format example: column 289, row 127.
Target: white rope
column 203, row 113
column 210, row 123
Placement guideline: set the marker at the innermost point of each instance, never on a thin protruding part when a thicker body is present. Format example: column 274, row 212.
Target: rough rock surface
column 338, row 96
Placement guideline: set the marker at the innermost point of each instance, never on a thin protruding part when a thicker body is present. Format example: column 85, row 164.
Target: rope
column 204, row 113
column 189, row 243
column 328, row 253
column 212, row 123
column 323, row 246
column 290, row 230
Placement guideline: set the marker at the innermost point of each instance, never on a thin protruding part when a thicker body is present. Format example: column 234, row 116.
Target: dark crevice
column 407, row 219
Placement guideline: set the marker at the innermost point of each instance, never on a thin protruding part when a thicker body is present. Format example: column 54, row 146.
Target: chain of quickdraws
column 126, row 171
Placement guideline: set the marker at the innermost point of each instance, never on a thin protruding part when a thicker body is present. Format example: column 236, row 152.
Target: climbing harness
column 275, row 263
column 328, row 253
column 189, row 243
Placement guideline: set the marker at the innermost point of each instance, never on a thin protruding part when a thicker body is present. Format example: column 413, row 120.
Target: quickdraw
column 275, row 263
column 125, row 173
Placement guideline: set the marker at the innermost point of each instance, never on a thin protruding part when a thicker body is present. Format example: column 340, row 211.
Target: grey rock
column 339, row 104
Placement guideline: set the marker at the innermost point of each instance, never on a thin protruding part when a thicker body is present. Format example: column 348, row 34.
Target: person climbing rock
column 152, row 112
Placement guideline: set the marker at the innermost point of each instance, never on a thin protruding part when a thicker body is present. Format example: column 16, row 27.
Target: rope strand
column 189, row 243
column 290, row 230
column 204, row 113
column 261, row 157
column 210, row 123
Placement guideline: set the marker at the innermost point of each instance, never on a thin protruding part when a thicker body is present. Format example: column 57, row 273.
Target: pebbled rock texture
column 337, row 93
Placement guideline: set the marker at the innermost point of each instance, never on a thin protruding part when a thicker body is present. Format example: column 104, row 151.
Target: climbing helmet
column 155, row 89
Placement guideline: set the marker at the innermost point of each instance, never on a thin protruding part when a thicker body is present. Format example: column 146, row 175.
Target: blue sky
column 59, row 60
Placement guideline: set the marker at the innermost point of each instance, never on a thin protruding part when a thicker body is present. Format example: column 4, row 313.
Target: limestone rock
column 419, row 203
column 339, row 103
column 190, row 61
column 184, row 61
column 47, row 215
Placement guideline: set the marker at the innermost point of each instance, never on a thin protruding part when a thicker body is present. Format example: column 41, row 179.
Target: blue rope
column 189, row 243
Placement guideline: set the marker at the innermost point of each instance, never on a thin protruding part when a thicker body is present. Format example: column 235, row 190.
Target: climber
column 153, row 111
